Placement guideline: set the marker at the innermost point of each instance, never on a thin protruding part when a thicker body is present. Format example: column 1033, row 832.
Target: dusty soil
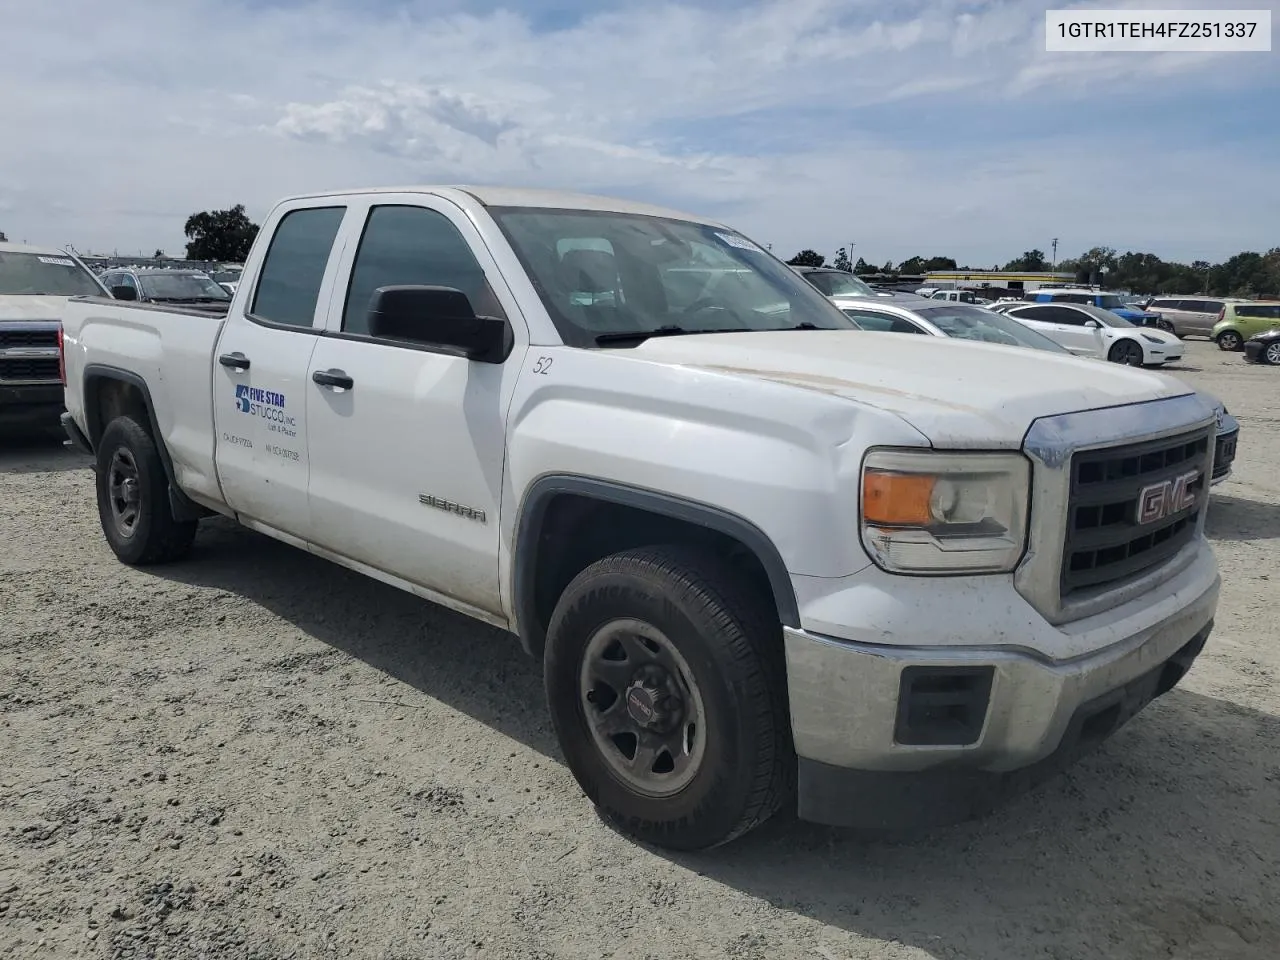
column 256, row 754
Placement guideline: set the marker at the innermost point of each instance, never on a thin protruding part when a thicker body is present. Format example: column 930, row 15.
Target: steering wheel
column 706, row 305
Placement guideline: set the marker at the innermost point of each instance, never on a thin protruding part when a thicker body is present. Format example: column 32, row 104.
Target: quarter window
column 289, row 284
column 413, row 246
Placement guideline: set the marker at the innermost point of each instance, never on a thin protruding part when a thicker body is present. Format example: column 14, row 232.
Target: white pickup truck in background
column 766, row 558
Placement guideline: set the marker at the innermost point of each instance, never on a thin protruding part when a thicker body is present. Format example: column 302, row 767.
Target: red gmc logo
column 1161, row 500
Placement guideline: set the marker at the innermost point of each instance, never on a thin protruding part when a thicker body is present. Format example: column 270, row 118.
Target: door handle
column 234, row 361
column 333, row 378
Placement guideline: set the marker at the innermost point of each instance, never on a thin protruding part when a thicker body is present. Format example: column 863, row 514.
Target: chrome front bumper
column 844, row 694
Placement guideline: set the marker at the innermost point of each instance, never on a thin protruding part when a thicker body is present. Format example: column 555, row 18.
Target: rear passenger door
column 1063, row 325
column 407, row 455
column 262, row 368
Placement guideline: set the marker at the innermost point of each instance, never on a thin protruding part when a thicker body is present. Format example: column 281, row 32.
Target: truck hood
column 31, row 308
column 958, row 394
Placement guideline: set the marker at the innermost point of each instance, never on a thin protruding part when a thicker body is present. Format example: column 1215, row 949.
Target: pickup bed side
column 156, row 363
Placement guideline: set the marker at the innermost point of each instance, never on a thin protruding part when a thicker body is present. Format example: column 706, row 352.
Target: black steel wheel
column 133, row 497
column 1128, row 352
column 667, row 689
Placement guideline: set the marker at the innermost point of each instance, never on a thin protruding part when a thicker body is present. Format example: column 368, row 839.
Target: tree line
column 1247, row 274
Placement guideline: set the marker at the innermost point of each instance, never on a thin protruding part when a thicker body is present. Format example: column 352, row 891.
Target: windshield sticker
column 57, row 261
column 742, row 243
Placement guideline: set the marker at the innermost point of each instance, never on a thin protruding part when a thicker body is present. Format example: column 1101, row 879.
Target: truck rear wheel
column 133, row 498
column 666, row 684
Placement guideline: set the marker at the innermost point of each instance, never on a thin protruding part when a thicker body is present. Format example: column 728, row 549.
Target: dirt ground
column 257, row 754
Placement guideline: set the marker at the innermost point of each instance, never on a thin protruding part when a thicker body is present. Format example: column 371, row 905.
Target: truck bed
column 169, row 350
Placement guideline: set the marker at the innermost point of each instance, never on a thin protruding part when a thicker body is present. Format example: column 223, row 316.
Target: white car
column 1089, row 331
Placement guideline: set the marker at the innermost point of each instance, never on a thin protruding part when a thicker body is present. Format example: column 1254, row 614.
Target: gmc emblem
column 1161, row 500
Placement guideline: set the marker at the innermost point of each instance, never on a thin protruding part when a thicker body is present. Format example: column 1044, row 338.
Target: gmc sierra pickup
column 765, row 558
column 34, row 286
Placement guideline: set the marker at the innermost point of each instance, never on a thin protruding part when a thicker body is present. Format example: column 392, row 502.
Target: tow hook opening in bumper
column 941, row 796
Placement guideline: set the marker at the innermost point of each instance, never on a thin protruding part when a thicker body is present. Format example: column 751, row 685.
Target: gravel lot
column 255, row 753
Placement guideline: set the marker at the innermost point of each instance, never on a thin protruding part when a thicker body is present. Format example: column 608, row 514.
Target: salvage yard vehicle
column 192, row 288
column 764, row 560
column 1241, row 320
column 1264, row 347
column 35, row 283
column 1090, row 331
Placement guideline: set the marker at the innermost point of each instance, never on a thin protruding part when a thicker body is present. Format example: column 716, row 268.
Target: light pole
column 1054, row 244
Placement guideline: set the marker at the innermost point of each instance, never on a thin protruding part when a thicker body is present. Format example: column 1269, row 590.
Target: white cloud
column 127, row 123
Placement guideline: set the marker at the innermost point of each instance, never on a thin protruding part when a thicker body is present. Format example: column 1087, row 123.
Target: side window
column 289, row 283
column 413, row 245
column 1211, row 306
column 869, row 320
column 1169, row 305
column 1068, row 317
column 1262, row 311
column 1051, row 314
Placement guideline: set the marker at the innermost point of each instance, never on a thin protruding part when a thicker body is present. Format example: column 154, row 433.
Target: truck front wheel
column 133, row 498
column 666, row 684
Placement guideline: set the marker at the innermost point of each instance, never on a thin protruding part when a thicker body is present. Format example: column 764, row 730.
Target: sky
column 907, row 128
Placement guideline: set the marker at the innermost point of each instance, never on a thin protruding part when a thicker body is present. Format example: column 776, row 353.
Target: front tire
column 1229, row 340
column 133, row 498
column 1127, row 352
column 1271, row 353
column 666, row 685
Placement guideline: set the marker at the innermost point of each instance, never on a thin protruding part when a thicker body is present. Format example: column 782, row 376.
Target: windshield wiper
column 639, row 336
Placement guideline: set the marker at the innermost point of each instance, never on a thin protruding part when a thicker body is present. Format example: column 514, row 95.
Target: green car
column 1237, row 322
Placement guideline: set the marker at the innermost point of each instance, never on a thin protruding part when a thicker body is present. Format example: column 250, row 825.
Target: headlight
column 944, row 513
column 1150, row 339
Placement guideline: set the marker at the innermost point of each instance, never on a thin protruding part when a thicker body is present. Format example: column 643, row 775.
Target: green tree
column 808, row 258
column 940, row 263
column 911, row 266
column 1032, row 261
column 863, row 267
column 223, row 235
column 841, row 261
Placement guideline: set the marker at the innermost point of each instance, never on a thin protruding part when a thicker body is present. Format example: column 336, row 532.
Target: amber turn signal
column 897, row 499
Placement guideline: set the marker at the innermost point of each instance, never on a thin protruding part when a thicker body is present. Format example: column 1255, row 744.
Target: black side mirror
column 439, row 317
column 123, row 292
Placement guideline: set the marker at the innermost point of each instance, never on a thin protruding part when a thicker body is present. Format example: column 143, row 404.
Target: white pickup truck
column 766, row 558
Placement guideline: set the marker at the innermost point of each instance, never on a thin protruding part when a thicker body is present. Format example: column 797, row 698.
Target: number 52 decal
column 542, row 365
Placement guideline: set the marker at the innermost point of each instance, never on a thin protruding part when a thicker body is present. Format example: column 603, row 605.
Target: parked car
column 227, row 278
column 1105, row 301
column 960, row 321
column 1191, row 316
column 1239, row 321
column 954, row 296
column 35, row 283
column 760, row 557
column 1263, row 347
column 838, row 283
column 963, row 322
column 1090, row 331
column 187, row 287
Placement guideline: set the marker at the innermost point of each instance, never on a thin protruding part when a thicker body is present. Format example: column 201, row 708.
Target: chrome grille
column 1106, row 541
column 29, row 369
column 27, row 338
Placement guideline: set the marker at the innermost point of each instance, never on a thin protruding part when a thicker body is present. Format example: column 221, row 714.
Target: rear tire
column 665, row 645
column 1230, row 340
column 133, row 498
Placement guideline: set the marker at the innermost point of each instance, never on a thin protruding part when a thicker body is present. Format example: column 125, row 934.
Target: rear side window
column 414, row 246
column 1259, row 311
column 289, row 285
column 1210, row 306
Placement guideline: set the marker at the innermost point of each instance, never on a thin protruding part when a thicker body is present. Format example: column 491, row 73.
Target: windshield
column 606, row 277
column 1109, row 319
column 226, row 276
column 180, row 286
column 45, row 275
column 837, row 283
column 974, row 323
